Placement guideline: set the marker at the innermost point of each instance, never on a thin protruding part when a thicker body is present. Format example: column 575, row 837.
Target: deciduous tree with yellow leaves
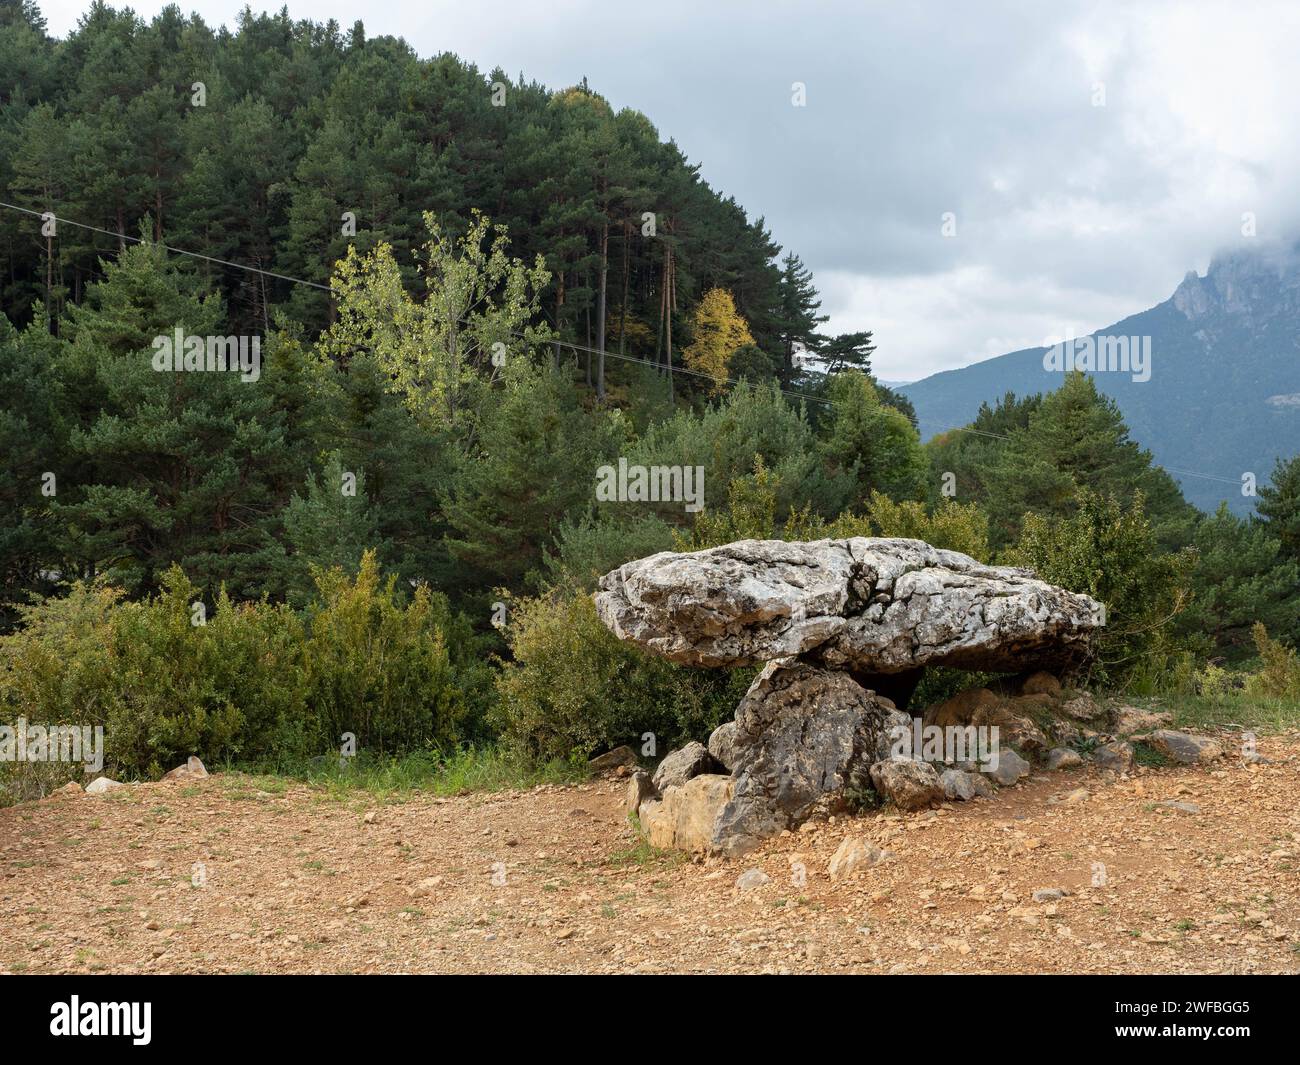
column 719, row 332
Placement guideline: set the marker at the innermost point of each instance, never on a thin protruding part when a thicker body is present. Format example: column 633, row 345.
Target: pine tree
column 1077, row 440
column 797, row 316
column 876, row 444
column 847, row 351
column 1279, row 506
column 331, row 526
column 1240, row 579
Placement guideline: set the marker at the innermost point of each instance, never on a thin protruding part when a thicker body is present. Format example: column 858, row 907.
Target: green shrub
column 574, row 688
column 1279, row 672
column 160, row 686
column 252, row 682
column 1112, row 553
column 954, row 526
column 378, row 669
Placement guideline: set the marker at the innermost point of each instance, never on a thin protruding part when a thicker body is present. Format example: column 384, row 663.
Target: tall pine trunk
column 600, row 311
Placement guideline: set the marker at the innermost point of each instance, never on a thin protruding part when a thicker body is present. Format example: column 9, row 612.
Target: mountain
column 1221, row 394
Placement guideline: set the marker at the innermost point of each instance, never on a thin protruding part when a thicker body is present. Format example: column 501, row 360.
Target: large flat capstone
column 867, row 605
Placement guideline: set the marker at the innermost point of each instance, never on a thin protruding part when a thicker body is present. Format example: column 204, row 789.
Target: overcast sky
column 1091, row 153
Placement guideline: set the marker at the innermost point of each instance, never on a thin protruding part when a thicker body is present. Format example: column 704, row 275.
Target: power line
column 168, row 247
column 733, row 382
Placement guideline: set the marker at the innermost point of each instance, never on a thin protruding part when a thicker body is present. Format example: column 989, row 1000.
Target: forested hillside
column 469, row 305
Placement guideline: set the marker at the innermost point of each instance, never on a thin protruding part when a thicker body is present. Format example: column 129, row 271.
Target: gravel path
column 236, row 874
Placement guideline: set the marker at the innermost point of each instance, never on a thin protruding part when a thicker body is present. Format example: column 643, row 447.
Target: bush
column 574, row 689
column 1279, row 672
column 954, row 526
column 1112, row 554
column 255, row 681
column 161, row 687
column 379, row 669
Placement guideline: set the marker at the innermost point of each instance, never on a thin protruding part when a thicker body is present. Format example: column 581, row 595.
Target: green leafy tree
column 1110, row 551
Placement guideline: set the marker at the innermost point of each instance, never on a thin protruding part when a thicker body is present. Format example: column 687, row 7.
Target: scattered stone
column 853, row 854
column 1040, row 683
column 961, row 708
column 425, row 887
column 603, row 763
column 686, row 817
column 1184, row 747
column 1083, row 708
column 1014, row 727
column 907, row 783
column 193, row 769
column 102, row 785
column 722, row 745
column 1063, row 758
column 960, row 786
column 640, row 789
column 1116, row 756
column 1182, row 807
column 681, row 765
column 1130, row 719
column 750, row 879
column 1010, row 768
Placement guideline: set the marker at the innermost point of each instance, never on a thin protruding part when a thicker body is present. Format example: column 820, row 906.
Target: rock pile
column 844, row 628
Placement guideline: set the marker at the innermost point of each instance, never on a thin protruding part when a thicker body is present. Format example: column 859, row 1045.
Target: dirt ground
column 234, row 874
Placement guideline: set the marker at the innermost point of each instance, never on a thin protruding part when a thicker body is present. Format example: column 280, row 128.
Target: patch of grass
column 1145, row 754
column 429, row 772
column 1225, row 709
column 641, row 853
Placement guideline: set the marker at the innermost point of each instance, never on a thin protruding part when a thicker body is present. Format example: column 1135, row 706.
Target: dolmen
column 844, row 629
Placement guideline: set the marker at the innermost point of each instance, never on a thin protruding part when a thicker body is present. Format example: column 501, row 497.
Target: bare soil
column 236, row 874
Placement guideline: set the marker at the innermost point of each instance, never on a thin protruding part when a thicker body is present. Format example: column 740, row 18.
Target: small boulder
column 853, row 854
column 193, row 769
column 1184, row 747
column 722, row 745
column 961, row 708
column 960, row 786
column 1062, row 758
column 1130, row 719
column 1116, row 756
column 1013, row 724
column 1010, row 768
column 102, row 785
column 908, row 784
column 682, row 765
column 639, row 790
column 1083, row 707
column 603, row 763
column 1040, row 683
column 686, row 818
